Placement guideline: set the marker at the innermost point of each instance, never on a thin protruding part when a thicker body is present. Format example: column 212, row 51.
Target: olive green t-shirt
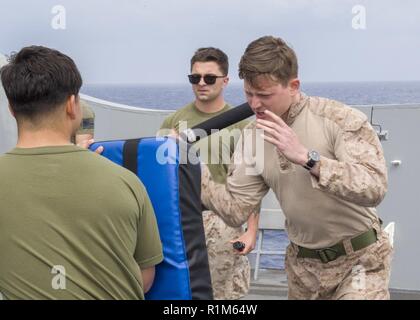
column 215, row 150
column 65, row 208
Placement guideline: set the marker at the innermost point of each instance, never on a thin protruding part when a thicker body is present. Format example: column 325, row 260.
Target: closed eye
column 259, row 95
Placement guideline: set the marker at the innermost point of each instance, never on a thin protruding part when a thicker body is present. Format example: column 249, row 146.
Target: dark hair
column 212, row 54
column 38, row 79
column 268, row 56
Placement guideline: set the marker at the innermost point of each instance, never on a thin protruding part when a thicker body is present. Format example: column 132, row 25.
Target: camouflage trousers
column 230, row 272
column 360, row 275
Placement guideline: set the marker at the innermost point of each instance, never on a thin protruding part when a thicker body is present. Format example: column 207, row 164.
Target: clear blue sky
column 151, row 41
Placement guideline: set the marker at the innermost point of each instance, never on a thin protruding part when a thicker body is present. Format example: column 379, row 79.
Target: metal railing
column 270, row 219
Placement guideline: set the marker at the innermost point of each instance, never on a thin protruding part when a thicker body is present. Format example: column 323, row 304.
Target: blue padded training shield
column 174, row 188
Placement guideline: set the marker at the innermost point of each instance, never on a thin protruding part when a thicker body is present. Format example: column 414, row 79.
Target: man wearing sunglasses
column 229, row 268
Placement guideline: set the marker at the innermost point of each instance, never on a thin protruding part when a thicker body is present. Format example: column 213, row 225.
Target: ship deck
column 271, row 285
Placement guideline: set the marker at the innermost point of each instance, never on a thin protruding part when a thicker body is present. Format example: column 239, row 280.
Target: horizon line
column 240, row 82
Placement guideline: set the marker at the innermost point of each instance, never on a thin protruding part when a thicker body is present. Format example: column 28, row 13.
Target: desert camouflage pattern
column 224, row 200
column 230, row 272
column 319, row 213
column 360, row 175
column 360, row 275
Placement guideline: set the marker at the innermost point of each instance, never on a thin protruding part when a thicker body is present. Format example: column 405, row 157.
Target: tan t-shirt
column 319, row 213
column 66, row 207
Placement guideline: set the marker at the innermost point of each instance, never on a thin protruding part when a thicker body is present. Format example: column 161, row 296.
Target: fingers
column 248, row 247
column 87, row 143
column 275, row 132
column 246, row 250
column 280, row 145
column 273, row 128
column 99, row 150
column 278, row 137
column 275, row 118
column 173, row 133
column 269, row 124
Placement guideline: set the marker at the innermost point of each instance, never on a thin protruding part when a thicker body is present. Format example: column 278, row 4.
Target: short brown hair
column 271, row 57
column 212, row 54
column 37, row 80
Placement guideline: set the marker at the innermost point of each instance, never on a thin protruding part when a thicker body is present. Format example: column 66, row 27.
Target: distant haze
column 152, row 41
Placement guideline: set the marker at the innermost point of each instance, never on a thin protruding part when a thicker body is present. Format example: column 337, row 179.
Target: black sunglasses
column 208, row 78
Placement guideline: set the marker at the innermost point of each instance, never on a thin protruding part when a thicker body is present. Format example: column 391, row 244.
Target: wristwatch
column 313, row 158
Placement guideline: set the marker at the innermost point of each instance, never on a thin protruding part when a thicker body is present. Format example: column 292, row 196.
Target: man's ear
column 72, row 105
column 226, row 81
column 294, row 86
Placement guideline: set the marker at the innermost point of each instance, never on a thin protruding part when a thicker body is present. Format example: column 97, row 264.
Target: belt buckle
column 327, row 255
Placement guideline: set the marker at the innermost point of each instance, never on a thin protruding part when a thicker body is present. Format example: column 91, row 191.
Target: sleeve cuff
column 328, row 171
column 147, row 263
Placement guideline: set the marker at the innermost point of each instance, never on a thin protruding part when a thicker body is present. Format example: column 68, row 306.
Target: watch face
column 313, row 155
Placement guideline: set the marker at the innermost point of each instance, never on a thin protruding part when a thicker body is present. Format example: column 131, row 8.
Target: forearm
column 233, row 207
column 148, row 276
column 252, row 223
column 249, row 238
column 363, row 184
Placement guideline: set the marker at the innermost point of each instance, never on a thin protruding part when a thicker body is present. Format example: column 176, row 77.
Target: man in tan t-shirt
column 326, row 166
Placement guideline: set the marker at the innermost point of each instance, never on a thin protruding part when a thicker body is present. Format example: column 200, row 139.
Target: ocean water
column 176, row 96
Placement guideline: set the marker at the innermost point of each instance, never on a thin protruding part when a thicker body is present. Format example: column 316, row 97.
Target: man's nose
column 254, row 102
column 202, row 83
